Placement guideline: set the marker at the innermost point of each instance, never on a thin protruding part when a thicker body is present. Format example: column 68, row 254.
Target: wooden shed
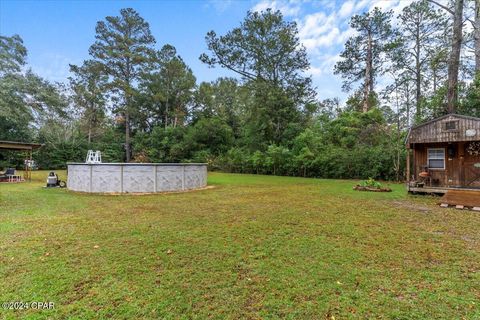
column 444, row 154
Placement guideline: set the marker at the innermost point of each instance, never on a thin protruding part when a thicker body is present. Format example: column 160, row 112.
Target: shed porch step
column 461, row 199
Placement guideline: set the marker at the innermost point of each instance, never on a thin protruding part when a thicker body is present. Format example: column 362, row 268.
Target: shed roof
column 15, row 145
column 465, row 129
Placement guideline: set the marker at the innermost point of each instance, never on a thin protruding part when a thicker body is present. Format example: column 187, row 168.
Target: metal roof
column 16, row 145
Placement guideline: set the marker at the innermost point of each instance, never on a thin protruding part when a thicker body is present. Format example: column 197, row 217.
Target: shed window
column 451, row 125
column 436, row 158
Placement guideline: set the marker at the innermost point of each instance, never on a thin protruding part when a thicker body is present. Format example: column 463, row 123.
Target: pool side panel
column 135, row 178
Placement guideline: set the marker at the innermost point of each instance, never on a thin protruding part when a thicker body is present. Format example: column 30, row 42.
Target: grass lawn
column 251, row 247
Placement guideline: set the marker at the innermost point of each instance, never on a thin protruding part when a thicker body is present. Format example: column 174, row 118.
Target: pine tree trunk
column 127, row 112
column 454, row 60
column 408, row 103
column 418, row 76
column 477, row 36
column 127, row 136
column 166, row 113
column 89, row 133
column 368, row 75
column 399, row 125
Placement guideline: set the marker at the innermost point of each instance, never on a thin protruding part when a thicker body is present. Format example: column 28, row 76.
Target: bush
column 371, row 183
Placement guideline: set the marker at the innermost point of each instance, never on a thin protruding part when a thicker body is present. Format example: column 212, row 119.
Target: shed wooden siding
column 459, row 170
column 434, row 131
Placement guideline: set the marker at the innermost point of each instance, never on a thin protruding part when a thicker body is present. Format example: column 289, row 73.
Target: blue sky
column 58, row 33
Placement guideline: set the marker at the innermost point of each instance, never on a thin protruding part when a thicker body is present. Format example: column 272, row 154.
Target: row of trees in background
column 137, row 103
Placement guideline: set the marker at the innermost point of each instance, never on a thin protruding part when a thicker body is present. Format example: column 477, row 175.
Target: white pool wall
column 136, row 177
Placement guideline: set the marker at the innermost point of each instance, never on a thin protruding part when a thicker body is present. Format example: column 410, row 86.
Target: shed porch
column 440, row 190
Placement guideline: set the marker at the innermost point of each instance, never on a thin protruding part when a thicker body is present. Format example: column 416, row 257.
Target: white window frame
column 429, row 158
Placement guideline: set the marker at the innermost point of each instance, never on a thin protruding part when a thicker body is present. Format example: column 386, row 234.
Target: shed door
column 472, row 174
column 471, row 168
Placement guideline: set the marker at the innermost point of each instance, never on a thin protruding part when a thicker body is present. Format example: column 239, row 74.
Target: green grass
column 251, row 247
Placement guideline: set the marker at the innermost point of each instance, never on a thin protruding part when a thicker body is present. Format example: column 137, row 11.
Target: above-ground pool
column 136, row 177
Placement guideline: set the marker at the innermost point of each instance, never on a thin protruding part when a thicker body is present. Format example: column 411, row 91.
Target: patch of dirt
column 411, row 206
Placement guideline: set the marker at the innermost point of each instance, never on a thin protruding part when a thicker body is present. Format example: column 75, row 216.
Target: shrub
column 371, row 183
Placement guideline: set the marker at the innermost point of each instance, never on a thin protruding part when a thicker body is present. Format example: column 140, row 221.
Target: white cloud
column 322, row 40
column 313, row 25
column 315, row 71
column 323, row 65
column 362, row 4
column 323, row 4
column 343, row 37
column 318, row 30
column 382, row 4
column 219, row 5
column 396, row 5
column 346, row 9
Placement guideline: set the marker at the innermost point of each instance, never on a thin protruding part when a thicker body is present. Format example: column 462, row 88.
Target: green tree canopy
column 12, row 54
column 168, row 90
column 88, row 85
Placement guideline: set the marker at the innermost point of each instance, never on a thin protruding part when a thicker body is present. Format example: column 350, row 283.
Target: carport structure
column 21, row 147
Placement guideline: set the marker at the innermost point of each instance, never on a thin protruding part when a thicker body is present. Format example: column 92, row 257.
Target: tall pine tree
column 124, row 47
column 364, row 55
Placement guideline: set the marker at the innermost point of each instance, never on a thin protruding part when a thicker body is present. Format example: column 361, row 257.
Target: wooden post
column 414, row 160
column 30, row 168
column 461, row 157
column 408, row 164
column 446, row 177
column 27, row 174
